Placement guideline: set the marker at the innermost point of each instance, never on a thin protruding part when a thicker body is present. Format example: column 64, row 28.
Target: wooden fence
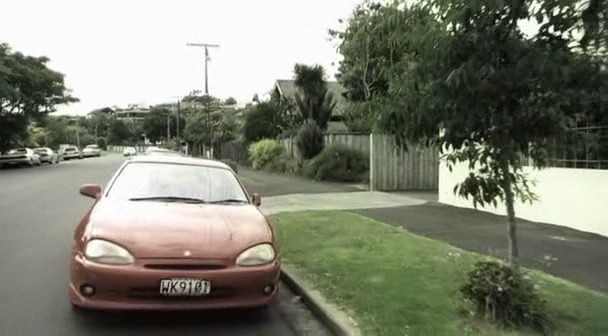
column 391, row 167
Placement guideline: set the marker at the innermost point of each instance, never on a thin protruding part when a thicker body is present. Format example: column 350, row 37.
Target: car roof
column 180, row 160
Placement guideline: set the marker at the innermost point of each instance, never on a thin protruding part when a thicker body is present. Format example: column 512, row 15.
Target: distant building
column 134, row 113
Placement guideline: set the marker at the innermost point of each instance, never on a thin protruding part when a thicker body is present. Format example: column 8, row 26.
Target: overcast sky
column 119, row 52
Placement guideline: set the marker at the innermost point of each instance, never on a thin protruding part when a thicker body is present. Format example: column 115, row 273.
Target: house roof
column 287, row 88
column 106, row 110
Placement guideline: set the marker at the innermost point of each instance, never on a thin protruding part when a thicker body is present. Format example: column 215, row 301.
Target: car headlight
column 104, row 252
column 256, row 255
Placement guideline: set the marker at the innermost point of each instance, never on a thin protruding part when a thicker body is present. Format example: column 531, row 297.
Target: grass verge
column 396, row 283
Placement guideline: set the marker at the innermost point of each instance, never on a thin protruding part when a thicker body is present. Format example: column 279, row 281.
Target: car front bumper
column 16, row 161
column 134, row 287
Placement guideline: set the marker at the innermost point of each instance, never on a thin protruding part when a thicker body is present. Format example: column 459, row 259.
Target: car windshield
column 92, row 146
column 69, row 149
column 162, row 181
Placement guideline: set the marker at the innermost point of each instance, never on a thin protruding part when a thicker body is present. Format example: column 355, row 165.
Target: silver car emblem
column 187, row 253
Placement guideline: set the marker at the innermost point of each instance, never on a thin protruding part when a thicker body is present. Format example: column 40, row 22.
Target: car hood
column 151, row 229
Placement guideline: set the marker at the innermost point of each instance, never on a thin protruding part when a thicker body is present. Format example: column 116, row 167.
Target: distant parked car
column 129, row 151
column 71, row 152
column 91, row 150
column 47, row 155
column 20, row 156
column 152, row 149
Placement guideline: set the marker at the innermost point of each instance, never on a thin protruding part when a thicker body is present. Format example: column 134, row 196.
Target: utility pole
column 168, row 128
column 207, row 59
column 179, row 140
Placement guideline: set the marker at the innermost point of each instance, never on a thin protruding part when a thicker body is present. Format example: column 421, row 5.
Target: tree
column 230, row 101
column 119, row 132
column 367, row 58
column 155, row 124
column 28, row 90
column 263, row 121
column 470, row 81
column 314, row 100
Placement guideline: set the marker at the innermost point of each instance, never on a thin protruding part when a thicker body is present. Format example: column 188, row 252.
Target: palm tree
column 313, row 99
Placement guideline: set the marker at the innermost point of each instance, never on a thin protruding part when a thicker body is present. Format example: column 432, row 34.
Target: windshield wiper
column 169, row 199
column 229, row 200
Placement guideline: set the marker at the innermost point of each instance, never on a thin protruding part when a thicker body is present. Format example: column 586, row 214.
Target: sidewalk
column 566, row 253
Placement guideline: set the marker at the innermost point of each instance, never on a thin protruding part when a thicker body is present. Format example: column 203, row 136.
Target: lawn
column 397, row 283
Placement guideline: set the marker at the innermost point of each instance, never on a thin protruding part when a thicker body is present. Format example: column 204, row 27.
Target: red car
column 173, row 233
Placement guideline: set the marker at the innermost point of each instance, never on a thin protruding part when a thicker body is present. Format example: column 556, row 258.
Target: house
column 104, row 110
column 286, row 89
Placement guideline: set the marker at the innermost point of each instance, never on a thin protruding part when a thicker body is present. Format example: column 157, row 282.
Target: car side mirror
column 256, row 199
column 91, row 190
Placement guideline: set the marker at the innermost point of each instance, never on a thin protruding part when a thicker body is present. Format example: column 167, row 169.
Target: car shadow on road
column 152, row 323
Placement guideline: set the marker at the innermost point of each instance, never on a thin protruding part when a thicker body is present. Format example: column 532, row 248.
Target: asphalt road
column 39, row 208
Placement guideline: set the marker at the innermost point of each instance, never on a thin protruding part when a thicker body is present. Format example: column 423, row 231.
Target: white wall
column 576, row 198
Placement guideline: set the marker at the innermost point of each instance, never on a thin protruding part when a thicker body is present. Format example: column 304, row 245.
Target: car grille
column 185, row 267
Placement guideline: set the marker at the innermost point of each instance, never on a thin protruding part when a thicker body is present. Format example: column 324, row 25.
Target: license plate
column 184, row 287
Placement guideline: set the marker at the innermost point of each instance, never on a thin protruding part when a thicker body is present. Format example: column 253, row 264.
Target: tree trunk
column 513, row 257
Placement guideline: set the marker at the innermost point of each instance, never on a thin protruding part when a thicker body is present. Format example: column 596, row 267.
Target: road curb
column 335, row 320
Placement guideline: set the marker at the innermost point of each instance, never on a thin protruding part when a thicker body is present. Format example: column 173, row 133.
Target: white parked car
column 71, row 152
column 129, row 151
column 91, row 150
column 20, row 156
column 47, row 155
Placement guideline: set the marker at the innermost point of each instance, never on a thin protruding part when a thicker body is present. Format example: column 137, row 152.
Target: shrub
column 309, row 140
column 265, row 152
column 101, row 143
column 503, row 295
column 338, row 163
column 232, row 164
column 284, row 164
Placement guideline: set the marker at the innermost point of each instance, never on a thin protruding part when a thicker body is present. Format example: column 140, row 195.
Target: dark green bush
column 504, row 296
column 309, row 140
column 265, row 152
column 284, row 164
column 338, row 163
column 232, row 164
column 102, row 143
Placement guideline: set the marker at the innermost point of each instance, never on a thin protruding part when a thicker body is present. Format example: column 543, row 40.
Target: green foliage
column 232, row 164
column 338, row 163
column 263, row 121
column 314, row 100
column 29, row 90
column 155, row 123
column 230, row 101
column 196, row 130
column 309, row 140
column 87, row 139
column 503, row 295
column 37, row 136
column 464, row 76
column 102, row 143
column 119, row 133
column 265, row 152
